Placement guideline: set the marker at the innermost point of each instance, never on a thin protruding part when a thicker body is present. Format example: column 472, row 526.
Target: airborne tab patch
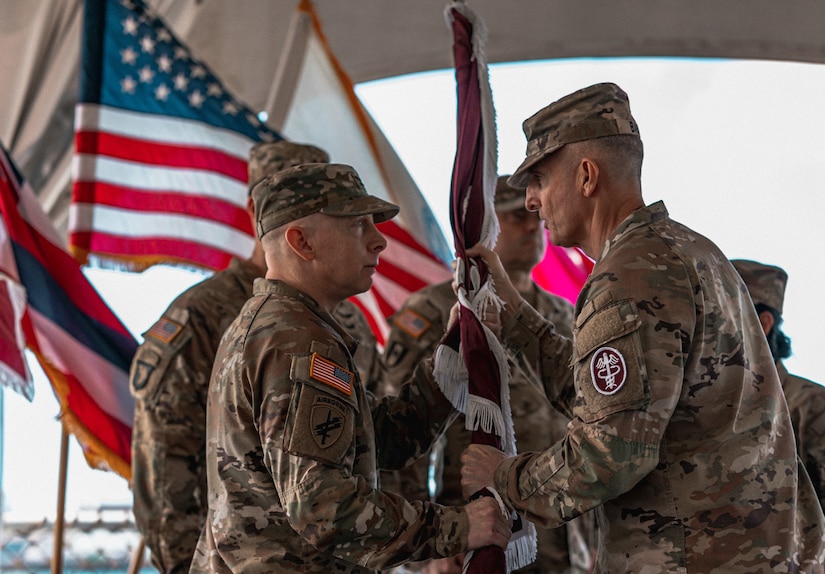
column 329, row 373
column 412, row 323
column 608, row 370
column 165, row 330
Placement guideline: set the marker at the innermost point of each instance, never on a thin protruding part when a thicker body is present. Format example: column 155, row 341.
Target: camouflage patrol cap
column 765, row 283
column 269, row 157
column 328, row 188
column 508, row 198
column 597, row 111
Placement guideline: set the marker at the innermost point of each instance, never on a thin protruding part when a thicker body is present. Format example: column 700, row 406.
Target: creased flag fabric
column 313, row 100
column 14, row 371
column 82, row 346
column 161, row 147
column 471, row 365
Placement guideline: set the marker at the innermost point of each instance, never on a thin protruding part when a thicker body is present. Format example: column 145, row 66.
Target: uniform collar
column 245, row 269
column 640, row 218
column 263, row 285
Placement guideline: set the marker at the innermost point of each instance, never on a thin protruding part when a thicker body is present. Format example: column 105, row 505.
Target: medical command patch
column 327, row 372
column 608, row 370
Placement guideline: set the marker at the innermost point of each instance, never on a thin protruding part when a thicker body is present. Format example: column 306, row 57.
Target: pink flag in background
column 563, row 271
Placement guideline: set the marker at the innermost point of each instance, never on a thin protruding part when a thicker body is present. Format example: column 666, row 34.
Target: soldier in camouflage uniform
column 415, row 332
column 169, row 379
column 293, row 442
column 680, row 436
column 806, row 399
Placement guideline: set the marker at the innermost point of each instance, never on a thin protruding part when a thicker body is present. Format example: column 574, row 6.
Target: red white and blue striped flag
column 82, row 346
column 159, row 174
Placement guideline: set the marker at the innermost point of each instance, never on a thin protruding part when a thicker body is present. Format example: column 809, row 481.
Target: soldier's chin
column 363, row 289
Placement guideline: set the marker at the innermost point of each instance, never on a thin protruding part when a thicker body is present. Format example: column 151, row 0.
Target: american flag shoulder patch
column 330, row 373
column 165, row 330
column 412, row 323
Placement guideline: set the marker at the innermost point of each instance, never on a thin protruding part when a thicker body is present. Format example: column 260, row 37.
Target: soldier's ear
column 587, row 176
column 767, row 322
column 297, row 238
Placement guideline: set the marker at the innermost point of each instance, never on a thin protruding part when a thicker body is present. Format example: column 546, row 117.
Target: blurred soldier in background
column 806, row 399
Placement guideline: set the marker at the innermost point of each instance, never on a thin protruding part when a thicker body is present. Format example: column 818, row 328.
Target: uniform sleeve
column 807, row 408
column 407, row 424
column 543, row 354
column 628, row 360
column 310, row 437
column 168, row 379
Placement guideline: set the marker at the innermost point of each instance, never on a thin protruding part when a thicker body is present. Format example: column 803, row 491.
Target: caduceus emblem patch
column 608, row 370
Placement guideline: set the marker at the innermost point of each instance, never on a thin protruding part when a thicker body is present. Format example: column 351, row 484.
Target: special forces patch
column 320, row 427
column 327, row 422
column 608, row 370
column 395, row 353
column 142, row 372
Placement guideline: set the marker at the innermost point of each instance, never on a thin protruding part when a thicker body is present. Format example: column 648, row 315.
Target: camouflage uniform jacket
column 806, row 403
column 680, row 435
column 169, row 379
column 293, row 447
column 415, row 332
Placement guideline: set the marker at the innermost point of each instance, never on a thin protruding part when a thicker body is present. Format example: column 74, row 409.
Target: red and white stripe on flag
column 161, row 147
column 148, row 189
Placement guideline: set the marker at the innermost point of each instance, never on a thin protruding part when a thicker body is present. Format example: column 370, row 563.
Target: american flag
column 159, row 174
column 329, row 373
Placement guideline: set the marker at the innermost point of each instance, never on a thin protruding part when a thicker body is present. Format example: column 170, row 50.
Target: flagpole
column 137, row 557
column 57, row 551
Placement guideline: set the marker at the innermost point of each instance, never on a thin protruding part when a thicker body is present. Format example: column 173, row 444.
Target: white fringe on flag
column 449, row 370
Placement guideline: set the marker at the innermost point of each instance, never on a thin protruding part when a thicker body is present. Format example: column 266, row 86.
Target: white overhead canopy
column 242, row 42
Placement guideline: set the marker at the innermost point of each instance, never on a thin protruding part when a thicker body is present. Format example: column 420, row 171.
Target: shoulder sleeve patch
column 322, row 427
column 412, row 323
column 164, row 330
column 608, row 362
